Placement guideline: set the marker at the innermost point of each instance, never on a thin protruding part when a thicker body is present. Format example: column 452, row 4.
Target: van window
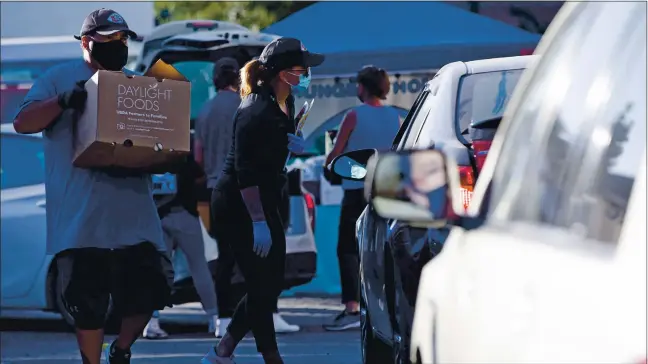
column 11, row 97
column 23, row 162
column 202, row 85
column 484, row 96
column 578, row 134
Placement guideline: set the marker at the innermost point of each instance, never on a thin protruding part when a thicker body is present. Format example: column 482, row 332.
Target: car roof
column 183, row 26
column 500, row 64
column 488, row 65
column 244, row 37
column 8, row 128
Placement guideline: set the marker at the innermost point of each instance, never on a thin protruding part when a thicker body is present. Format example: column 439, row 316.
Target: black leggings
column 263, row 276
column 229, row 294
column 353, row 203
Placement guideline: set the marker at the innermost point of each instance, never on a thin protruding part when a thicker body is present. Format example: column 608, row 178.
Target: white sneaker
column 154, row 331
column 217, row 326
column 281, row 326
column 212, row 358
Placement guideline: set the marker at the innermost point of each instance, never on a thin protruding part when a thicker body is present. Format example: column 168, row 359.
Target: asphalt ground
column 37, row 337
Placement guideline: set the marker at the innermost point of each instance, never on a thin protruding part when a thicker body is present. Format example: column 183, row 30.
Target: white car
column 161, row 34
column 28, row 274
column 548, row 265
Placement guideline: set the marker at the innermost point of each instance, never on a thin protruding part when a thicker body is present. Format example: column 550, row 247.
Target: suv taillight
column 467, row 181
column 310, row 206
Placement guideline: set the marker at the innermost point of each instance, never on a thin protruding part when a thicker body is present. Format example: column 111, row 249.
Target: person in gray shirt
column 102, row 227
column 216, row 120
column 212, row 140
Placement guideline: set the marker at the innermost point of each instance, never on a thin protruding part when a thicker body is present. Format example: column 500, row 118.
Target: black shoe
column 115, row 355
column 343, row 321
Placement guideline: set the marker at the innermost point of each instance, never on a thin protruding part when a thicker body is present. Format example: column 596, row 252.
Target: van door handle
column 42, row 203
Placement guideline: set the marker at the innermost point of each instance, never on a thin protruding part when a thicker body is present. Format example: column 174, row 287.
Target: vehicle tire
column 373, row 350
column 113, row 322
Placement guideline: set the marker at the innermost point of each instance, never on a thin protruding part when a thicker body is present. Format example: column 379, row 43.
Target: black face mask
column 112, row 55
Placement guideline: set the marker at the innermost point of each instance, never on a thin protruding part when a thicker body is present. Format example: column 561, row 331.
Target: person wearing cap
column 247, row 197
column 214, row 128
column 371, row 125
column 103, row 229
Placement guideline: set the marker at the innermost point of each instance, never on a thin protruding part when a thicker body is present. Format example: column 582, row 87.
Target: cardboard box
column 134, row 122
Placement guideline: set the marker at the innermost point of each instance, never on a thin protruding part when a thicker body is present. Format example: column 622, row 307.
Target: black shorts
column 139, row 279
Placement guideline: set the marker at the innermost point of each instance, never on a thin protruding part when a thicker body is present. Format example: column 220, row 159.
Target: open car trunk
column 193, row 55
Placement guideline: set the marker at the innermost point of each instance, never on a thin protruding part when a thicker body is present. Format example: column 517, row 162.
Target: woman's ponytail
column 251, row 75
column 375, row 81
column 385, row 84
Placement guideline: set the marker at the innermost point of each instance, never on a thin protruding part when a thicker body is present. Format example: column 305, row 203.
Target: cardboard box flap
column 163, row 70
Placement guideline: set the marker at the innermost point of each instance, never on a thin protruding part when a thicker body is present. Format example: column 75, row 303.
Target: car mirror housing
column 417, row 186
column 352, row 165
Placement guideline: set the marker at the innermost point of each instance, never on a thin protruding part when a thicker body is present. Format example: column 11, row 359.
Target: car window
column 11, row 97
column 152, row 46
column 15, row 80
column 202, row 85
column 484, row 96
column 578, row 133
column 22, row 159
column 406, row 124
column 425, row 128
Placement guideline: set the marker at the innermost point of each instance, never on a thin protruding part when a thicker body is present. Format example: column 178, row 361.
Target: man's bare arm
column 37, row 116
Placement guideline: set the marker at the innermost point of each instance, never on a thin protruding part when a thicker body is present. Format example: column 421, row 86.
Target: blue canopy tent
column 399, row 36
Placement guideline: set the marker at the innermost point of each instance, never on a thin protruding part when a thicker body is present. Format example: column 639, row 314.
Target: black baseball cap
column 286, row 52
column 104, row 22
column 225, row 64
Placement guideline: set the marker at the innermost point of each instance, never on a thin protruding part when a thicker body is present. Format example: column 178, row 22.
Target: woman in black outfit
column 247, row 198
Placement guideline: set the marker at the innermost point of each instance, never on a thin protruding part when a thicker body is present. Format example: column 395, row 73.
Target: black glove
column 74, row 99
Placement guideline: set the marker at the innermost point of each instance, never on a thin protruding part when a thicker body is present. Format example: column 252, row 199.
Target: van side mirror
column 352, row 165
column 415, row 186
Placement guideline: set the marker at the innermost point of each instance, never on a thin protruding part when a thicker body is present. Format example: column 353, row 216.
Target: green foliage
column 252, row 14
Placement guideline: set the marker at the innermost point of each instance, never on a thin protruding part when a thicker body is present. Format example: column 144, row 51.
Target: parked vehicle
column 457, row 112
column 194, row 55
column 548, row 265
column 28, row 273
column 154, row 41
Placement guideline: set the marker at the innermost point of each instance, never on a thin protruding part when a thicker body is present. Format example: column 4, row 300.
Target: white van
column 154, row 41
column 548, row 265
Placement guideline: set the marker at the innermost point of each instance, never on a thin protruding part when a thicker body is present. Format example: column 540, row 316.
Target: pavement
column 39, row 337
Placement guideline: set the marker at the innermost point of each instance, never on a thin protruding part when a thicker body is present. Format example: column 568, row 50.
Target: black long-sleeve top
column 259, row 146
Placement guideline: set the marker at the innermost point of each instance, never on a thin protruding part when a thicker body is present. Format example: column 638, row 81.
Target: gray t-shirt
column 214, row 130
column 88, row 208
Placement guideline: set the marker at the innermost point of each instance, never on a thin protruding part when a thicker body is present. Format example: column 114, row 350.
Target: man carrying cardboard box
column 104, row 229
